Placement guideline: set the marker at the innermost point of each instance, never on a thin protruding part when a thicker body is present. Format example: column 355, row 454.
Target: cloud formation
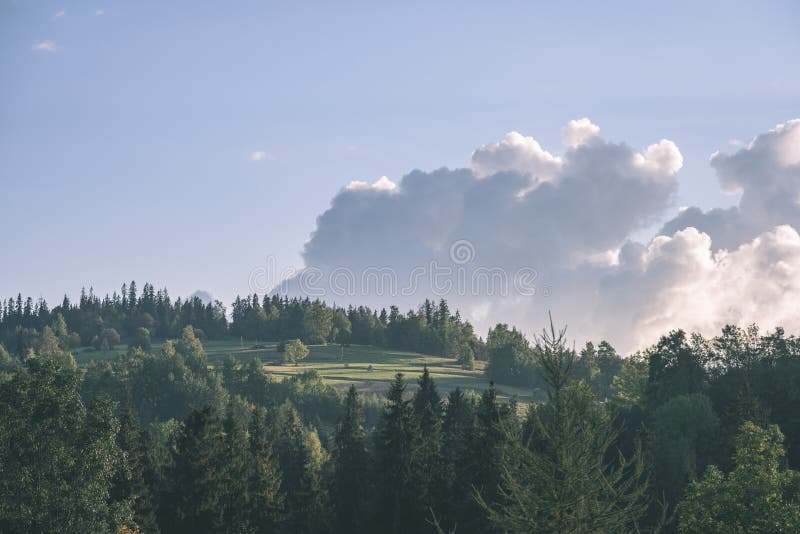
column 568, row 217
column 44, row 46
column 767, row 173
column 260, row 155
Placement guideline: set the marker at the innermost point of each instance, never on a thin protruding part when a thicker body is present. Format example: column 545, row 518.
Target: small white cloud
column 579, row 132
column 351, row 148
column 44, row 46
column 662, row 158
column 260, row 155
column 384, row 184
column 356, row 184
column 381, row 184
column 99, row 12
column 515, row 153
column 60, row 14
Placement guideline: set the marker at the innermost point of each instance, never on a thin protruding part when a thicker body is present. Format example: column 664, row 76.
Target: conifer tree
column 560, row 479
column 196, row 502
column 128, row 485
column 398, row 508
column 350, row 456
column 488, row 448
column 235, row 463
column 266, row 501
column 428, row 472
column 458, row 429
column 301, row 459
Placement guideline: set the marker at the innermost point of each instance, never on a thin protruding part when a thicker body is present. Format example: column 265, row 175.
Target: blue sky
column 126, row 138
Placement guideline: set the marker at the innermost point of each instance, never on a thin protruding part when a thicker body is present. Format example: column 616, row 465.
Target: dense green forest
column 690, row 435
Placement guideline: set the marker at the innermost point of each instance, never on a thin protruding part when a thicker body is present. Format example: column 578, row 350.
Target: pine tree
column 350, row 456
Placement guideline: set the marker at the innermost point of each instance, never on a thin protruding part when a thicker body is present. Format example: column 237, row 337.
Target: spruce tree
column 301, row 459
column 235, row 461
column 560, row 479
column 350, row 456
column 398, row 508
column 458, row 429
column 428, row 474
column 264, row 482
column 196, row 502
column 488, row 448
column 129, row 486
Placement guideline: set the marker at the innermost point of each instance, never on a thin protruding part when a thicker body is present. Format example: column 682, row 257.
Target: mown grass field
column 370, row 368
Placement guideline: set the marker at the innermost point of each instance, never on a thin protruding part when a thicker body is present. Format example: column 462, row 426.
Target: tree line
column 136, row 318
column 691, row 435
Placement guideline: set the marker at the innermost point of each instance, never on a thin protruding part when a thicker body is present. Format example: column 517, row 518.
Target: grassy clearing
column 370, row 368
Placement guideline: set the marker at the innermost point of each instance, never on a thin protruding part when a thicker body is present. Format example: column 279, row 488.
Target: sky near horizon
column 184, row 143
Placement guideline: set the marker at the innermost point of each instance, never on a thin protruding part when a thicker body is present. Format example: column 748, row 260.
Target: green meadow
column 370, row 368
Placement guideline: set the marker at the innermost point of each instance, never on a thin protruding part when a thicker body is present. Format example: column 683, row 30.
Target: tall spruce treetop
column 129, row 487
column 398, row 505
column 560, row 480
column 427, row 397
column 266, row 501
column 350, row 455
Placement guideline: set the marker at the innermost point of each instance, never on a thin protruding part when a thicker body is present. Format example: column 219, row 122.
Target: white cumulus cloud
column 381, row 184
column 580, row 132
column 568, row 217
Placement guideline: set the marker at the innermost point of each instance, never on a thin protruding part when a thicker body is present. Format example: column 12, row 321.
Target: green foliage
column 675, row 367
column 192, row 351
column 266, row 505
column 398, row 506
column 757, row 496
column 459, row 429
column 57, row 457
column 206, row 444
column 342, row 329
column 129, row 487
column 629, row 387
column 141, row 339
column 107, row 339
column 317, row 323
column 685, row 431
column 301, row 457
column 558, row 479
column 196, row 502
column 350, row 464
column 295, row 351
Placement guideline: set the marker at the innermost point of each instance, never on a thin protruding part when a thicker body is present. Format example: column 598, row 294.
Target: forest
column 693, row 434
